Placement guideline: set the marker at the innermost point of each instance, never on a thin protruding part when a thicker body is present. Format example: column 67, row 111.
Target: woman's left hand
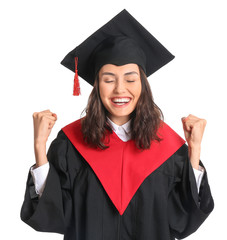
column 193, row 130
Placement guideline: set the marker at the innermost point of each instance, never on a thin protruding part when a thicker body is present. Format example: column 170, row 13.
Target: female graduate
column 120, row 172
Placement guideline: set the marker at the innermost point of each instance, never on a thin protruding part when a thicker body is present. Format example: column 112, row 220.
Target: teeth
column 121, row 100
column 120, row 103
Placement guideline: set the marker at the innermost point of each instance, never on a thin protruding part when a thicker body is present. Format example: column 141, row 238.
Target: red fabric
column 122, row 167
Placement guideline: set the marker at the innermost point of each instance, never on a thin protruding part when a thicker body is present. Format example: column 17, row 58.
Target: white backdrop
column 36, row 35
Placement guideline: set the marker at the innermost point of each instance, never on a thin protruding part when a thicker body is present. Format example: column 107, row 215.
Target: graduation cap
column 120, row 41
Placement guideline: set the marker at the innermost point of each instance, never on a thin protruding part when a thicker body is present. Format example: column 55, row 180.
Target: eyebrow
column 112, row 74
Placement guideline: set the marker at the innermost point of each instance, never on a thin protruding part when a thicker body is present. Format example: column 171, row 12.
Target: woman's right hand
column 43, row 124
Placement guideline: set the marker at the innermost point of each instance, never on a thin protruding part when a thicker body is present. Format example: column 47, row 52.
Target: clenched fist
column 193, row 130
column 43, row 124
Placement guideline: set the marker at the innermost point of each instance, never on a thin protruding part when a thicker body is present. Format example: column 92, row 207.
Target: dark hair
column 146, row 118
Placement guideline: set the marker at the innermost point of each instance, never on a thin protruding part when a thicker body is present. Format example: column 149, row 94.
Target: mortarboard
column 120, row 41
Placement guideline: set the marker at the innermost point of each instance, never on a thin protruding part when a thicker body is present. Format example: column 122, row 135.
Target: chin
column 118, row 115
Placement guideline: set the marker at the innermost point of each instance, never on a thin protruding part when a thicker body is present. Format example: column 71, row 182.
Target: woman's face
column 120, row 89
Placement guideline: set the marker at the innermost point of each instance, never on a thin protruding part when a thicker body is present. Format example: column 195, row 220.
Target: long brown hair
column 146, row 118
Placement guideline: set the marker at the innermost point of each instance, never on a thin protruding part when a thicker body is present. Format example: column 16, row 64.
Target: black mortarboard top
column 120, row 41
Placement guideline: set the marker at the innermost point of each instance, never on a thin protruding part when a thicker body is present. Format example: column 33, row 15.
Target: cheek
column 137, row 90
column 101, row 89
column 103, row 92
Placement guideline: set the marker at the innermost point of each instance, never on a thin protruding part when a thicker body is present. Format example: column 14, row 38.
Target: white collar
column 123, row 131
column 125, row 126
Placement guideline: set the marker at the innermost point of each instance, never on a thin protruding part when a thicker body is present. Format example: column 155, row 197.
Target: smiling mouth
column 121, row 101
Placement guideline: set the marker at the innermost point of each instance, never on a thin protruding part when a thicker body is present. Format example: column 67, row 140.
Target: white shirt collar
column 122, row 131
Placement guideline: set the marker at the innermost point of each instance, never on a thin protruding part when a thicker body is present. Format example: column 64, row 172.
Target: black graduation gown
column 75, row 202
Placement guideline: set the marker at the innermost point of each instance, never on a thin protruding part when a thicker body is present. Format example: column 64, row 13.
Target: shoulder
column 171, row 140
column 61, row 144
column 175, row 164
column 181, row 154
column 63, row 154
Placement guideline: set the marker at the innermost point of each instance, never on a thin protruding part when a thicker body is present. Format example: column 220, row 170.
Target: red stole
column 122, row 167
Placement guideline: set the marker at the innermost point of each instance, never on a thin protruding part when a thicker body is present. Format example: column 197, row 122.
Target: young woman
column 119, row 172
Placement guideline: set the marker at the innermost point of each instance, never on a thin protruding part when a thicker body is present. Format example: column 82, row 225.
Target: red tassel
column 76, row 89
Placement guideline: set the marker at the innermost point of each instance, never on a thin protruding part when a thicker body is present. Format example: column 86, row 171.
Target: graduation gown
column 118, row 193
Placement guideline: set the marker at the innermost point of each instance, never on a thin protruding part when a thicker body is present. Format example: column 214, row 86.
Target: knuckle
column 42, row 117
column 200, row 123
column 197, row 123
column 192, row 116
column 188, row 117
column 204, row 121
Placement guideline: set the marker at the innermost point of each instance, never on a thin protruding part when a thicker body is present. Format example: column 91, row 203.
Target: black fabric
column 117, row 50
column 122, row 40
column 74, row 203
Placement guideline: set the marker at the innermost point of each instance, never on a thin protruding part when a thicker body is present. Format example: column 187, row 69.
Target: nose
column 119, row 86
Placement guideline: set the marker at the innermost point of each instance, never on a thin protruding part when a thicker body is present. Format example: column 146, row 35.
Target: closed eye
column 108, row 81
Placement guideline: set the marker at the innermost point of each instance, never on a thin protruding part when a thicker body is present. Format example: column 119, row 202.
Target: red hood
column 122, row 167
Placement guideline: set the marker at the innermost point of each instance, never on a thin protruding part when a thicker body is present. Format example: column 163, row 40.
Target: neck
column 119, row 120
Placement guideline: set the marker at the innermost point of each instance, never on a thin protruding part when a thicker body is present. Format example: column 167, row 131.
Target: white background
column 36, row 35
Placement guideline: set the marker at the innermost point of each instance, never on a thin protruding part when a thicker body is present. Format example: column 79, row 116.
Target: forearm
column 40, row 154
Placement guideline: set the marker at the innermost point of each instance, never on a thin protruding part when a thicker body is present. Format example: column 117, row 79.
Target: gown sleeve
column 52, row 211
column 187, row 209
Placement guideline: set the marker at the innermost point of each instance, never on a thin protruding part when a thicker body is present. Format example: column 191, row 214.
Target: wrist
column 39, row 145
column 195, row 146
column 194, row 155
column 39, row 164
column 40, row 154
column 195, row 165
